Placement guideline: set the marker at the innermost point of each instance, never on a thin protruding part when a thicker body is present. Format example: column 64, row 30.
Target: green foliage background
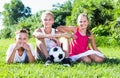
column 104, row 17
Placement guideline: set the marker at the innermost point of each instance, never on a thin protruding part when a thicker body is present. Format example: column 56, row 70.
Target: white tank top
column 48, row 42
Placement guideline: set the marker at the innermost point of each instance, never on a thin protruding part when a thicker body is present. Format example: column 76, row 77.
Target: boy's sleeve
column 9, row 51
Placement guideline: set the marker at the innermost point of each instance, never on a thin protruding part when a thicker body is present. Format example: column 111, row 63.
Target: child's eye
column 50, row 19
column 45, row 19
column 24, row 39
column 84, row 21
column 80, row 21
column 19, row 38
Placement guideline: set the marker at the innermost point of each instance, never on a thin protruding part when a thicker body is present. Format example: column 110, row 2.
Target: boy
column 21, row 51
column 46, row 37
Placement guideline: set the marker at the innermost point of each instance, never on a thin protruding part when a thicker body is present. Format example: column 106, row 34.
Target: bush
column 7, row 32
column 101, row 30
column 115, row 29
column 106, row 41
column 99, row 11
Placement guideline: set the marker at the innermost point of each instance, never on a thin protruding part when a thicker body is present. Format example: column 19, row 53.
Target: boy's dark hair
column 21, row 31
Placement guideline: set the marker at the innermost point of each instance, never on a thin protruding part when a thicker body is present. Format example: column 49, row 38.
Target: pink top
column 79, row 45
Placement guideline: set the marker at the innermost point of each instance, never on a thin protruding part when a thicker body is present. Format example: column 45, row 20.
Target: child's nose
column 47, row 21
column 22, row 41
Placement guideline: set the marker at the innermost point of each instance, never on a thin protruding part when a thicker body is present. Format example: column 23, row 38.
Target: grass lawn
column 110, row 68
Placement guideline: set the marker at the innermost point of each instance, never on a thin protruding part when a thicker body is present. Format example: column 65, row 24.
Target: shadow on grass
column 108, row 61
column 112, row 61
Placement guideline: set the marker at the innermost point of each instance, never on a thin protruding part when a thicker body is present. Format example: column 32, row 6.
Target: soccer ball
column 57, row 54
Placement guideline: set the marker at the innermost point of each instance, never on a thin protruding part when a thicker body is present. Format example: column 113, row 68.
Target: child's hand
column 27, row 47
column 17, row 46
column 67, row 35
column 74, row 36
column 56, row 41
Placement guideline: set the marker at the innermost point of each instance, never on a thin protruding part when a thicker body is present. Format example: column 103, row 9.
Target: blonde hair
column 47, row 13
column 83, row 14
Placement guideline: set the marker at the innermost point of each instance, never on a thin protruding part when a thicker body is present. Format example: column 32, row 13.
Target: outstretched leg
column 85, row 59
column 96, row 58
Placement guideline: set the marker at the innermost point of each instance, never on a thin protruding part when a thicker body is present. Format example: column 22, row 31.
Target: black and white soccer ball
column 57, row 54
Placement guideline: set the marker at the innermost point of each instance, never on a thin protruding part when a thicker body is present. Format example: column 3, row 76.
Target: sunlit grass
column 108, row 69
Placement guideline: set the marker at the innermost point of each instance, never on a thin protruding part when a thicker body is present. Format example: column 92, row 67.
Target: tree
column 61, row 11
column 15, row 11
column 99, row 11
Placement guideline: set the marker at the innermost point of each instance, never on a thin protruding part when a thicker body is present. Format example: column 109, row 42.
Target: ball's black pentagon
column 55, row 49
column 60, row 56
column 52, row 57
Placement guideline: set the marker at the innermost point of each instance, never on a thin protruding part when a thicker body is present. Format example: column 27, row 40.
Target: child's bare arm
column 66, row 28
column 38, row 34
column 93, row 42
column 67, row 35
column 30, row 55
column 10, row 58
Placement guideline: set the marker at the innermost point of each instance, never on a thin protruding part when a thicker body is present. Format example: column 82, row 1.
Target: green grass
column 110, row 68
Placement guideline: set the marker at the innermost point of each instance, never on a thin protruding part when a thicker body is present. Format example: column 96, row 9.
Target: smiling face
column 47, row 19
column 22, row 38
column 82, row 21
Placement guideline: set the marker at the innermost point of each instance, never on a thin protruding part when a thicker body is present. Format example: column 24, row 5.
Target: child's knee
column 96, row 58
column 99, row 59
column 86, row 59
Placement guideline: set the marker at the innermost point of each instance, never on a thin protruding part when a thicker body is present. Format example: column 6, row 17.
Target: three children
column 48, row 37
